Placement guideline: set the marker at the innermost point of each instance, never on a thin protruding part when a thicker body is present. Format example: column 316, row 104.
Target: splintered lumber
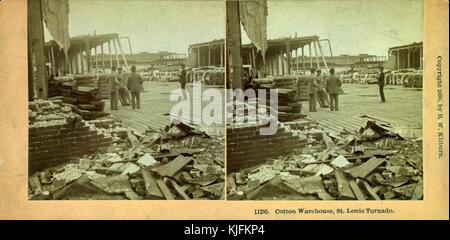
column 169, row 169
column 151, row 187
column 343, row 185
column 371, row 191
column 133, row 139
column 179, row 190
column 366, row 168
column 164, row 189
column 328, row 142
column 356, row 190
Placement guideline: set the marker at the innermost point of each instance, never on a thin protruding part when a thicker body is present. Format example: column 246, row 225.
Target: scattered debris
column 159, row 164
column 373, row 164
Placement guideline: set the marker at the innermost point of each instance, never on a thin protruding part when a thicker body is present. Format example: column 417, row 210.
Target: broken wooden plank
column 151, row 187
column 418, row 191
column 169, row 169
column 327, row 140
column 133, row 139
column 356, row 190
column 370, row 190
column 179, row 190
column 366, row 168
column 343, row 185
column 164, row 189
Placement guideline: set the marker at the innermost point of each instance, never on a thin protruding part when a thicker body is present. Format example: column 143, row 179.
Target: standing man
column 332, row 86
column 381, row 84
column 182, row 76
column 134, row 86
column 124, row 96
column 114, row 88
column 322, row 96
column 312, row 90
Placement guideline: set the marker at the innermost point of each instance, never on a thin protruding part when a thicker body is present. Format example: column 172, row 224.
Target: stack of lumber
column 103, row 85
column 289, row 107
column 302, row 87
column 81, row 94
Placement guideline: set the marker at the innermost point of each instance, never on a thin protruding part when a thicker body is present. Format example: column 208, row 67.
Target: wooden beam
column 115, row 52
column 323, row 57
column 198, row 57
column 288, row 57
column 121, row 53
column 88, row 55
column 37, row 40
column 110, row 55
column 317, row 56
column 221, row 55
column 310, row 56
column 103, row 59
column 96, row 59
column 303, row 61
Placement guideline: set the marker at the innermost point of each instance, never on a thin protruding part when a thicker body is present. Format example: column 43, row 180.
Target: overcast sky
column 152, row 25
column 353, row 26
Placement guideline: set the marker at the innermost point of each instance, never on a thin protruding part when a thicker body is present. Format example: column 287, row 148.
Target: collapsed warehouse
column 305, row 159
column 79, row 150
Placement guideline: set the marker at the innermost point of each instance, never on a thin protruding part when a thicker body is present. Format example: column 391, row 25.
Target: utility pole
column 37, row 48
column 234, row 45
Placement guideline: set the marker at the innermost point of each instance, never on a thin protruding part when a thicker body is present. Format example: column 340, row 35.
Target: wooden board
column 366, row 168
column 164, row 189
column 371, row 191
column 169, row 169
column 343, row 185
column 179, row 190
column 356, row 190
column 151, row 187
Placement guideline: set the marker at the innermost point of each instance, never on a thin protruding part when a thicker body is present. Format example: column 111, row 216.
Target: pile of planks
column 103, row 85
column 81, row 93
column 289, row 107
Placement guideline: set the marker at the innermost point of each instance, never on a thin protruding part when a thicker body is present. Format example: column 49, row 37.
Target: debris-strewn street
column 374, row 163
column 71, row 158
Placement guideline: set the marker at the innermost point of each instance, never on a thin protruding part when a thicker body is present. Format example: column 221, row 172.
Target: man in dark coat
column 312, row 90
column 134, row 86
column 381, row 84
column 332, row 86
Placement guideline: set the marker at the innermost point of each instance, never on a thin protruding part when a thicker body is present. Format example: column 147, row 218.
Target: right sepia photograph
column 324, row 100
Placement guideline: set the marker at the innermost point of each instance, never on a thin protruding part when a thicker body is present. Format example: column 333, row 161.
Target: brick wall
column 246, row 147
column 53, row 140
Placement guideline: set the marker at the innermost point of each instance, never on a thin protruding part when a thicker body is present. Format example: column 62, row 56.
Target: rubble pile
column 178, row 162
column 81, row 93
column 289, row 107
column 372, row 164
column 56, row 134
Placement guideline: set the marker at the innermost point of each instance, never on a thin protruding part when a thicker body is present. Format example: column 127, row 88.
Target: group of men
column 123, row 87
column 324, row 91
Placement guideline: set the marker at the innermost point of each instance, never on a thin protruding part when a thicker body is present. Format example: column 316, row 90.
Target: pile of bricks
column 56, row 134
column 246, row 147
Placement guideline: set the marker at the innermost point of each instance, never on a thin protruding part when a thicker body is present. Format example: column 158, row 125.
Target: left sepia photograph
column 126, row 100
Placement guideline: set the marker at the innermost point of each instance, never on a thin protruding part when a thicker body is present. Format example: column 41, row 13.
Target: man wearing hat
column 114, row 88
column 134, row 86
column 381, row 84
column 182, row 76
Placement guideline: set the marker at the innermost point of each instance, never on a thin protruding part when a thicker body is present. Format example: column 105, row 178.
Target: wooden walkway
column 155, row 107
column 402, row 110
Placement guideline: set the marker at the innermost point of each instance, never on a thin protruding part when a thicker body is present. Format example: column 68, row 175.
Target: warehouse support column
column 310, row 56
column 110, row 55
column 303, row 60
column 103, row 59
column 198, row 57
column 121, row 53
column 116, row 53
column 37, row 41
column 288, row 57
column 221, row 55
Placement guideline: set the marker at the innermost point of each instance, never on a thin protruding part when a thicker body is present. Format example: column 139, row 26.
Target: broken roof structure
column 86, row 52
column 279, row 55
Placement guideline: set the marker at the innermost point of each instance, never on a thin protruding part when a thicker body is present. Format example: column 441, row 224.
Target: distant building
column 406, row 56
column 207, row 54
